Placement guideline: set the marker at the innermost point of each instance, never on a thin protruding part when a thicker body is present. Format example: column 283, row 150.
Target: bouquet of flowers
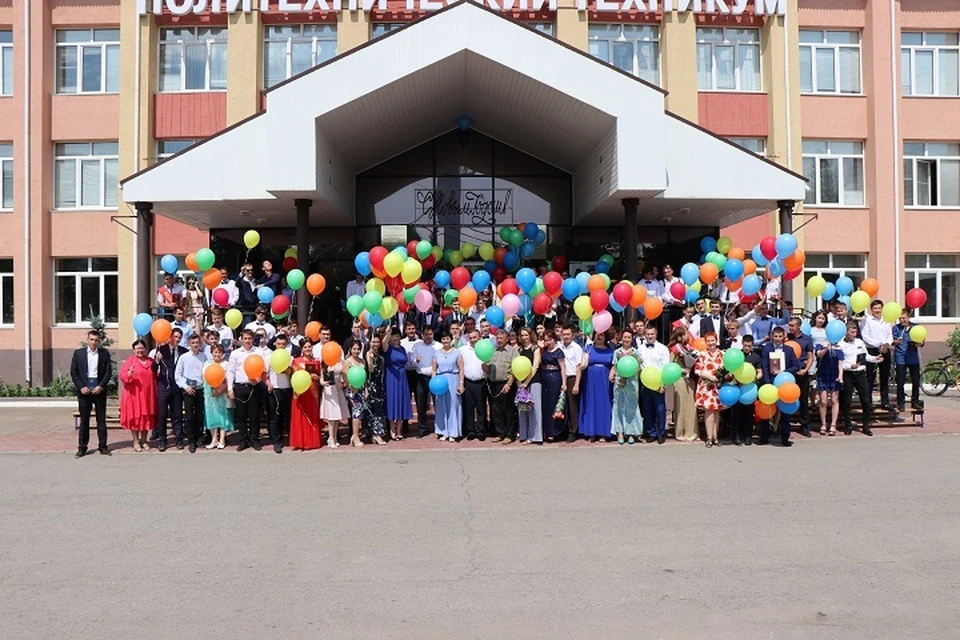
column 561, row 403
column 523, row 400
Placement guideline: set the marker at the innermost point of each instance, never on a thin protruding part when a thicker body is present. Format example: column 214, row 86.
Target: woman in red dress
column 138, row 402
column 708, row 369
column 305, row 409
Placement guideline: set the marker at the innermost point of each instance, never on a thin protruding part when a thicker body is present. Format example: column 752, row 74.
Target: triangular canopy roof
column 609, row 129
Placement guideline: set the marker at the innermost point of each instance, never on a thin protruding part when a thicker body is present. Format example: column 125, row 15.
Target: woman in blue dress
column 626, row 394
column 552, row 377
column 448, row 362
column 398, row 391
column 596, row 395
column 217, row 416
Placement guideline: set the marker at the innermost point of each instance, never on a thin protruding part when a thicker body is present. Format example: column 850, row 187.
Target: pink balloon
column 423, row 300
column 602, row 321
column 510, row 304
column 221, row 297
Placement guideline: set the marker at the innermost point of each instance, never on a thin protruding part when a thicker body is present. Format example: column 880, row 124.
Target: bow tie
column 704, row 316
column 649, row 346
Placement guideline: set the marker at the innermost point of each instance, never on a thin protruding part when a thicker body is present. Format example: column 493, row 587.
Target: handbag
column 523, row 399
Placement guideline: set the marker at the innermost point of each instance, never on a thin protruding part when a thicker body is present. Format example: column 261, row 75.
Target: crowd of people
column 423, row 377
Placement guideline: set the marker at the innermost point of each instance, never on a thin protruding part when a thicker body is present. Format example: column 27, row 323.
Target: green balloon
column 516, row 237
column 586, row 327
column 410, row 294
column 671, row 373
column 455, row 258
column 537, row 288
column 354, row 305
column 505, row 234
column 424, row 249
column 205, row 259
column 437, row 253
column 720, row 260
column 372, row 301
column 449, row 296
column 733, row 359
column 356, row 376
column 627, row 366
column 606, row 279
column 484, row 350
column 607, row 258
column 295, row 279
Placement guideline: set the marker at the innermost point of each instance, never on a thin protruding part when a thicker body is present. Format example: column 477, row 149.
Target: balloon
column 331, row 353
column 495, row 316
column 782, row 378
column 411, row 271
column 758, row 257
column 220, row 297
column 732, row 286
column 776, row 268
column 627, row 366
column 449, row 296
column 280, row 360
column 768, row 394
column 393, row 264
column 793, row 344
column 916, row 298
column 689, row 273
column 442, row 278
column 455, row 257
column 214, row 375
column 599, row 300
column 521, row 367
column 526, row 279
column 639, row 296
column 552, row 283
column 671, row 373
column 459, row 277
column 652, row 308
column 691, row 296
column 764, row 411
column 300, row 381
column 678, row 290
column 748, row 393
column 526, row 304
column 586, row 327
column 467, row 250
column 795, row 260
column 291, row 252
column 651, row 378
column 191, row 262
column 583, row 278
column 265, row 295
column 768, row 248
column 723, row 244
column 729, row 395
column 205, row 259
column 788, row 407
column 746, row 374
column 516, row 237
column 891, row 312
column 312, row 330
column 485, row 250
column 784, row 245
column 169, row 264
column 836, row 330
column 233, row 318
column 570, row 289
column 602, row 321
column 736, row 252
column 733, row 359
column 815, row 286
column 356, row 376
column 789, row 392
column 559, row 264
column 484, row 350
column 389, row 307
column 316, row 283
column 707, row 244
column 142, row 323
column 751, row 284
column 859, row 301
column 918, row 334
column 844, row 286
column 582, row 307
column 253, row 366
column 372, row 301
column 280, row 305
column 295, row 279
column 709, row 272
column 510, row 304
column 542, row 304
column 211, row 278
column 733, row 269
column 376, row 257
column 596, row 283
column 718, row 259
column 467, row 298
column 510, row 286
column 805, row 328
column 844, row 300
column 829, row 291
column 251, row 238
column 699, row 344
column 161, row 330
column 355, row 305
column 749, row 266
column 481, row 280
column 527, row 249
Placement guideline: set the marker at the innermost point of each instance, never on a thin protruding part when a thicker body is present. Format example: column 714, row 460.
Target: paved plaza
column 847, row 537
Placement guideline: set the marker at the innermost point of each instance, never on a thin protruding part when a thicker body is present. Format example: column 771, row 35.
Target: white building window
column 85, row 287
column 542, row 27
column 938, row 275
column 930, row 63
column 292, row 49
column 829, row 61
column 633, row 48
column 834, row 169
column 728, row 59
column 931, row 174
column 85, row 175
column 193, row 59
column 88, row 60
column 166, row 148
column 756, row 145
column 6, row 63
column 6, row 292
column 378, row 29
column 831, row 266
column 6, row 175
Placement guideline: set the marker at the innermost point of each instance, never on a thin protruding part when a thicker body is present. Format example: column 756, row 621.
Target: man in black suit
column 169, row 395
column 90, row 371
column 786, row 362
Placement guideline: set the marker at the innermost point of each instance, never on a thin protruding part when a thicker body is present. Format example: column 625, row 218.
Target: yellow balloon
column 467, row 249
column 746, row 374
column 696, row 286
column 486, row 251
column 651, row 378
column 251, row 239
column 581, row 307
column 411, row 272
column 768, row 394
column 521, row 367
column 280, row 360
column 815, row 286
column 300, row 381
column 389, row 308
column 724, row 244
column 918, row 333
column 891, row 312
column 376, row 284
column 393, row 264
column 291, row 252
column 233, row 318
column 859, row 300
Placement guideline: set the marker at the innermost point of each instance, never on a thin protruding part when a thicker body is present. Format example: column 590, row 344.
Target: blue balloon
column 689, row 273
column 265, row 295
column 142, row 323
column 708, row 244
column 531, row 230
column 788, row 408
column 494, row 316
column 442, row 278
column 829, row 291
column 844, row 286
column 748, row 393
column 777, row 268
column 615, row 305
column 729, row 395
column 490, row 266
column 751, row 284
column 169, row 264
column 805, row 328
column 511, row 260
column 541, row 237
column 402, row 250
column 786, row 244
column 691, row 296
column 758, row 256
column 844, row 299
column 601, row 267
column 782, row 377
column 525, row 304
column 526, row 279
column 362, row 263
column 582, row 278
column 481, row 280
column 527, row 249
column 836, row 330
column 374, row 319
column 733, row 269
column 439, row 385
column 570, row 289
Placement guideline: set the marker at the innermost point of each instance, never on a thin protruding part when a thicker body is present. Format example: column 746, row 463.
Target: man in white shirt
column 653, row 405
column 245, row 392
column 704, row 322
column 422, row 355
column 356, row 287
column 649, row 281
column 260, row 322
column 573, row 359
column 474, row 391
column 224, row 333
column 878, row 336
column 279, row 393
column 228, row 285
column 189, row 377
column 186, row 329
column 853, row 370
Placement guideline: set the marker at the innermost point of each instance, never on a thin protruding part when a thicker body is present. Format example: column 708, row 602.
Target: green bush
column 953, row 341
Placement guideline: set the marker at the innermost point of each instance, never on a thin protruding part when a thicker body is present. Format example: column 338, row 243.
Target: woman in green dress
column 217, row 414
column 626, row 395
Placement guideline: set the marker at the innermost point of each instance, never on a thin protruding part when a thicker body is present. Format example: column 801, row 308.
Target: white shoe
column 221, row 445
column 212, row 445
column 333, row 444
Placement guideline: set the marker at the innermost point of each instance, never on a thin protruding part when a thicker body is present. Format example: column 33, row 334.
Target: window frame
column 911, row 163
column 744, row 141
column 736, row 44
column 832, row 270
column 912, row 276
column 836, row 47
column 220, row 38
column 78, row 177
column 634, row 39
column 78, row 276
column 910, row 50
column 817, row 183
column 80, row 47
column 5, row 48
column 6, row 163
column 290, row 40
column 384, row 28
column 7, row 280
column 163, row 155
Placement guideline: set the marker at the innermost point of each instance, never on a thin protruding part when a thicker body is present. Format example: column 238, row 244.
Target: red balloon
column 498, row 254
column 542, row 303
column 916, row 298
column 402, row 305
column 289, row 263
column 622, row 292
column 599, row 299
column 429, row 261
column 678, row 290
column 459, row 277
column 499, row 275
column 412, row 249
column 768, row 247
column 510, row 285
column 552, row 282
column 221, row 297
column 280, row 305
column 559, row 264
column 377, row 254
column 790, row 275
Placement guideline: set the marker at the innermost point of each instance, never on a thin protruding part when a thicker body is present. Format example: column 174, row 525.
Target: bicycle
column 939, row 375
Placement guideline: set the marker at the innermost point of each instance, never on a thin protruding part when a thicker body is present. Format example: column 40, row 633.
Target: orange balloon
column 639, row 296
column 498, row 254
column 789, row 392
column 708, row 272
column 331, row 354
column 312, row 330
column 363, row 319
column 795, row 346
column 467, row 297
column 161, row 330
column 316, row 283
column 253, row 366
column 735, row 252
column 733, row 286
column 214, row 375
column 700, row 344
column 211, row 278
column 652, row 308
column 749, row 266
column 870, row 285
column 795, row 261
column 596, row 283
column 191, row 261
column 764, row 411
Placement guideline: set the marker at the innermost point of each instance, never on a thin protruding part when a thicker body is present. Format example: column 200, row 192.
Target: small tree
column 953, row 341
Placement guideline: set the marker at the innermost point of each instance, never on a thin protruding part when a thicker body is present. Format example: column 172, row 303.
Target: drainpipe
column 894, row 93
column 27, row 280
column 136, row 152
column 786, row 78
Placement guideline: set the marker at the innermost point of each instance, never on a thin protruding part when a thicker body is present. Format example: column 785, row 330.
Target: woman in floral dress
column 626, row 394
column 355, row 398
column 709, row 370
column 376, row 391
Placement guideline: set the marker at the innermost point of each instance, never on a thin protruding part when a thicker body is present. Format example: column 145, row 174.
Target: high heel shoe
column 356, row 442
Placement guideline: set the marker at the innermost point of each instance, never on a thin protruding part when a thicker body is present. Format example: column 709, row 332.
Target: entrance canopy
column 608, row 129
